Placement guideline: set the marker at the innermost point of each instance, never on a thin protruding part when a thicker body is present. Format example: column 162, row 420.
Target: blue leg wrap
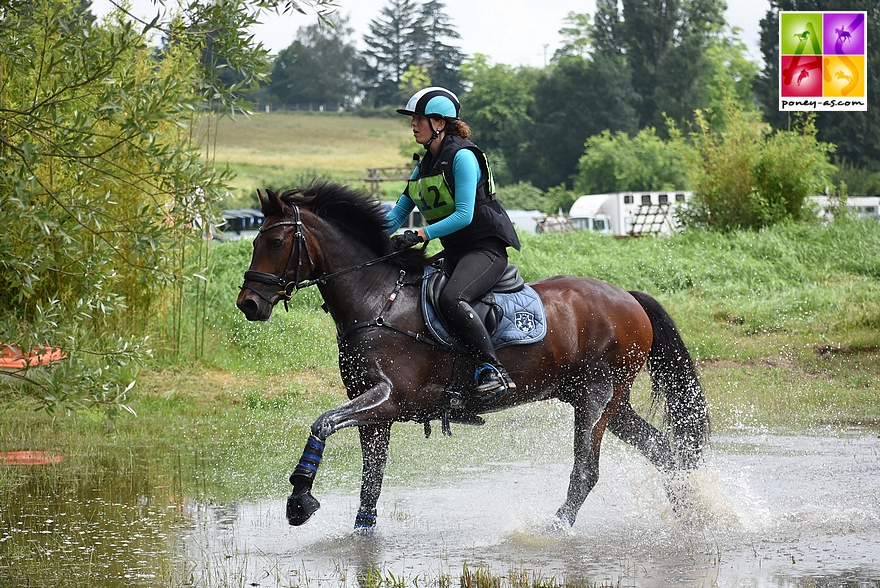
column 310, row 460
column 365, row 520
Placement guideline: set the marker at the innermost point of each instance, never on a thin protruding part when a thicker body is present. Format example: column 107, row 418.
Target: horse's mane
column 361, row 217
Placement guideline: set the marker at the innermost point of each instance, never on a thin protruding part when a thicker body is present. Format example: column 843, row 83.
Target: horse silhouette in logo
column 804, row 74
column 842, row 35
column 842, row 76
column 803, row 36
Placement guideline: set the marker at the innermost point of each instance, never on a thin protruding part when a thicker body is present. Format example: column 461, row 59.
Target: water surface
column 770, row 508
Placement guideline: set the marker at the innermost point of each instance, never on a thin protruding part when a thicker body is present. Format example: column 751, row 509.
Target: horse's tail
column 674, row 378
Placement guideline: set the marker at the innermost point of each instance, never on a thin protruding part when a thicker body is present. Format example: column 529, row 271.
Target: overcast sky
column 515, row 32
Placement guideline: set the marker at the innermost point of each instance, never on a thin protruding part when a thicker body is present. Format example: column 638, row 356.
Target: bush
column 747, row 178
column 525, row 196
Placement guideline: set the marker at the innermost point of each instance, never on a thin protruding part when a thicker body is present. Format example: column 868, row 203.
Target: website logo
column 822, row 63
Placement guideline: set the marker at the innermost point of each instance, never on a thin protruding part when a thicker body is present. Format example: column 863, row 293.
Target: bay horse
column 598, row 339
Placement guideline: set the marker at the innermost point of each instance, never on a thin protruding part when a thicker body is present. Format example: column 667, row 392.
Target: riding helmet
column 434, row 101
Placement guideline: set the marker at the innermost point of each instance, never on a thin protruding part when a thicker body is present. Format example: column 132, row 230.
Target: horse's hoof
column 559, row 526
column 300, row 507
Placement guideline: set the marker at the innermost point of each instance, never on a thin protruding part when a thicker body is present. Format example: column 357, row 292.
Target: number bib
column 433, row 197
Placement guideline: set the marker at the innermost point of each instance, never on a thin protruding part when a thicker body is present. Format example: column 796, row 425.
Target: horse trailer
column 625, row 214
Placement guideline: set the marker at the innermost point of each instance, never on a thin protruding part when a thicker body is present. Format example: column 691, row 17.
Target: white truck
column 628, row 213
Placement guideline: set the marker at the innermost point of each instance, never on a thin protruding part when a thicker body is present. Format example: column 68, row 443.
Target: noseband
column 299, row 247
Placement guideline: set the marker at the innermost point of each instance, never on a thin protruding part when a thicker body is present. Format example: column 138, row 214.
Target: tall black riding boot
column 491, row 378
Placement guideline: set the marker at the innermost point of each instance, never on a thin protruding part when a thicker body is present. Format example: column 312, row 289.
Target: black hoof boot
column 301, row 507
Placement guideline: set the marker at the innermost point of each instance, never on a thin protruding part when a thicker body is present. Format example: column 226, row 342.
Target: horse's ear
column 270, row 203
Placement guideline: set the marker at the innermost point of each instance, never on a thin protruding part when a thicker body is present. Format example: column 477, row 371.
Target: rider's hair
column 458, row 128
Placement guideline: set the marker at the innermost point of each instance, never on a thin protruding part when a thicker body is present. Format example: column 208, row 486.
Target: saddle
column 486, row 307
column 513, row 314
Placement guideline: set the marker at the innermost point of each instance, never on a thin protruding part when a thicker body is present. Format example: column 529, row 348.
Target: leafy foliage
column 525, row 196
column 614, row 162
column 575, row 98
column 747, row 178
column 665, row 45
column 105, row 198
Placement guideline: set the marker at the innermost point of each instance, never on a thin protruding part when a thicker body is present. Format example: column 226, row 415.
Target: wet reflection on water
column 769, row 510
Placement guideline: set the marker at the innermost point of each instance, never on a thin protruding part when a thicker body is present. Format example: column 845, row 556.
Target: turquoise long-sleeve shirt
column 466, row 173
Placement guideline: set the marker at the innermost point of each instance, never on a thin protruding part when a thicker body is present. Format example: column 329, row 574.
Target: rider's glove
column 407, row 239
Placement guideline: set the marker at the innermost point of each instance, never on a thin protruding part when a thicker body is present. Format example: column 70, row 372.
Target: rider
column 454, row 190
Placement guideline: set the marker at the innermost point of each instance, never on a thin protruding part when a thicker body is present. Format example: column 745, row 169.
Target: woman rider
column 453, row 189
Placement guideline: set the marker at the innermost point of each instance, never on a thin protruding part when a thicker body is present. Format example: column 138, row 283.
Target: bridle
column 300, row 246
column 286, row 289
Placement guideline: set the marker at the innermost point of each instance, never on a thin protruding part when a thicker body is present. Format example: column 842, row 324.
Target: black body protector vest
column 433, row 191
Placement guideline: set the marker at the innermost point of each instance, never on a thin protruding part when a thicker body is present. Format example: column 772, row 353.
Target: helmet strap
column 435, row 134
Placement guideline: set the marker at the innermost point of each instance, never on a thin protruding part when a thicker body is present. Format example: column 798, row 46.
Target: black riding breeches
column 472, row 274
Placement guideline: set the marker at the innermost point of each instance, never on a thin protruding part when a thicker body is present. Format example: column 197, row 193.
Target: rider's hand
column 407, row 239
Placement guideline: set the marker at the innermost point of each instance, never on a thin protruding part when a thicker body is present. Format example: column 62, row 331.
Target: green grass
column 783, row 323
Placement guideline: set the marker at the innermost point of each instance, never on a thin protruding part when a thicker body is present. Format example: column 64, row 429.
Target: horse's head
column 288, row 254
column 281, row 259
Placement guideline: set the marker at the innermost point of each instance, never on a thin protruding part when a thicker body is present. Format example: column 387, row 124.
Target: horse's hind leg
column 374, row 448
column 589, row 405
column 628, row 426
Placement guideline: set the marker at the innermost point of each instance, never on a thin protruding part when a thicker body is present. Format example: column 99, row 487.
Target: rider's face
column 423, row 128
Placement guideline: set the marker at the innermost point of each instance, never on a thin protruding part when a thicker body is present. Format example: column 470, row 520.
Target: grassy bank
column 783, row 323
column 287, row 148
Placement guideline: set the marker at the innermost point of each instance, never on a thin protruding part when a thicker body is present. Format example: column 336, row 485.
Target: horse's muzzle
column 253, row 307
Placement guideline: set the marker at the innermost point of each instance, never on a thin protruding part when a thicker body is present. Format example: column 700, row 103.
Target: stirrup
column 492, row 382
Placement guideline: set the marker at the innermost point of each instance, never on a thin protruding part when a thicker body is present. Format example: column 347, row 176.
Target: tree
column 396, row 41
column 606, row 36
column 496, row 106
column 575, row 36
column 575, row 98
column 731, row 75
column 854, row 133
column 321, row 66
column 665, row 42
column 441, row 61
column 614, row 162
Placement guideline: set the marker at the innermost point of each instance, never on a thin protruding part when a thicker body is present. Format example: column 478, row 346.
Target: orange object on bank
column 29, row 458
column 12, row 358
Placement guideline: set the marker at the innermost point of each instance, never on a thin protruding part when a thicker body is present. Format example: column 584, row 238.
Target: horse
column 599, row 338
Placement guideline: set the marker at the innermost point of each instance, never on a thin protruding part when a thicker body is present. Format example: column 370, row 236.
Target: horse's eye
column 276, row 243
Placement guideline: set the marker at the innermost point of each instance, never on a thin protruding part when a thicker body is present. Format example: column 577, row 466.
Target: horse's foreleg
column 374, row 447
column 588, row 409
column 369, row 407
